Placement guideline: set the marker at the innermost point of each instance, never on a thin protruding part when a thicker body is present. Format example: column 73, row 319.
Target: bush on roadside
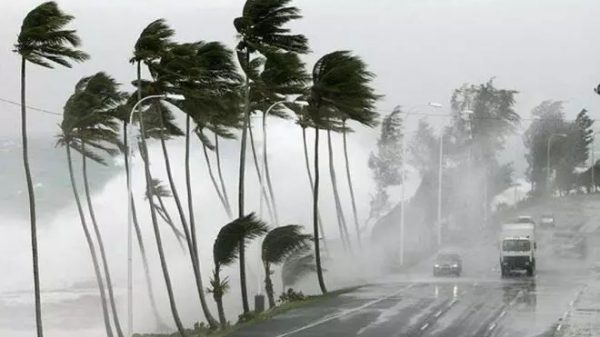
column 291, row 296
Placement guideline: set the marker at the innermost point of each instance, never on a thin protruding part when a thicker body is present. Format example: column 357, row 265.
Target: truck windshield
column 516, row 245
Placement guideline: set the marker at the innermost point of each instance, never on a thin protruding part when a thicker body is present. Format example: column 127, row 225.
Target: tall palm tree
column 80, row 115
column 152, row 42
column 261, row 28
column 228, row 247
column 341, row 218
column 44, row 41
column 279, row 245
column 340, row 82
column 97, row 129
column 204, row 72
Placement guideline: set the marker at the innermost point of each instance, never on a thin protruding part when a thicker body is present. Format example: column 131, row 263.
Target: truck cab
column 517, row 248
column 518, row 253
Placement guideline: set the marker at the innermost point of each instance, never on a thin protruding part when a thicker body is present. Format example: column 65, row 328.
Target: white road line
column 492, row 327
column 502, row 314
column 424, row 326
column 559, row 327
column 437, row 314
column 344, row 313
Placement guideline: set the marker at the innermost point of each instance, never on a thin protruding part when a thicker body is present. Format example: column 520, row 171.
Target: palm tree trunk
column 138, row 234
column 209, row 317
column 214, row 181
column 243, row 147
column 109, row 287
column 90, row 244
column 241, row 184
column 263, row 192
column 242, row 248
column 161, row 253
column 218, row 297
column 336, row 195
column 223, row 188
column 266, row 163
column 269, row 285
column 312, row 187
column 32, row 218
column 350, row 187
column 316, row 216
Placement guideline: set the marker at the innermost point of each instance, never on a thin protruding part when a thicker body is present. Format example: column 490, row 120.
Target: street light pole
column 130, row 211
column 562, row 135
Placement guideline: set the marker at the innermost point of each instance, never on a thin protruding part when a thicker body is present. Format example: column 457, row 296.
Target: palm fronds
column 283, row 242
column 227, row 245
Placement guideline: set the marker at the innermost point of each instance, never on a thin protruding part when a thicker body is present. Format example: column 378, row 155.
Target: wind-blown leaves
column 227, row 244
column 153, row 40
column 283, row 242
column 44, row 41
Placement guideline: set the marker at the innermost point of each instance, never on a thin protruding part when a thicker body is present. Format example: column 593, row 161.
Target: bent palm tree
column 79, row 115
column 340, row 83
column 151, row 44
column 228, row 247
column 42, row 41
column 279, row 245
column 260, row 28
column 97, row 129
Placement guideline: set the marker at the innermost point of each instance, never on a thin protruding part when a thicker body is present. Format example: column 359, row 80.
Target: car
column 569, row 245
column 447, row 264
column 547, row 221
column 525, row 219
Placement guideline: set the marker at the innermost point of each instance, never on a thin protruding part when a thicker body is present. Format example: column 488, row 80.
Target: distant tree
column 296, row 267
column 43, row 40
column 386, row 162
column 424, row 148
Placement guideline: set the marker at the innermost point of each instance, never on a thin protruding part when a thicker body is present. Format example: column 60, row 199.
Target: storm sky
column 420, row 50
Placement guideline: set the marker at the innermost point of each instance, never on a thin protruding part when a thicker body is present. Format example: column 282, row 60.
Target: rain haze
column 504, row 244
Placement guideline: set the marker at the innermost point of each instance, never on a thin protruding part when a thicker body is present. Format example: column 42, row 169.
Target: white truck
column 517, row 248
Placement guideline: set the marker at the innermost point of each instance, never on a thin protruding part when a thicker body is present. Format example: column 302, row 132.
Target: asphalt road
column 477, row 304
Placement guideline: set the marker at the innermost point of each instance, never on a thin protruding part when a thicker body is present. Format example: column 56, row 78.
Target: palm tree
column 159, row 191
column 341, row 218
column 230, row 245
column 279, row 245
column 204, row 72
column 97, row 128
column 340, row 83
column 79, row 115
column 151, row 44
column 261, row 28
column 42, row 41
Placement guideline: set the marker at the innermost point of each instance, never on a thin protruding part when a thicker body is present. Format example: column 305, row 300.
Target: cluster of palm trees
column 218, row 101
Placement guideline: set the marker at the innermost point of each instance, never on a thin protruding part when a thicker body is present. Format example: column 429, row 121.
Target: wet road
column 478, row 304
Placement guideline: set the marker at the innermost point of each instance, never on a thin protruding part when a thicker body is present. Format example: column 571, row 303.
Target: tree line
column 221, row 89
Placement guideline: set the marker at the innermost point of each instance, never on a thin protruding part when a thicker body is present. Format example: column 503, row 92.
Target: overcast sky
column 420, row 50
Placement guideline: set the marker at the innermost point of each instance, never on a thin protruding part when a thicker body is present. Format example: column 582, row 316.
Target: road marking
column 558, row 327
column 492, row 327
column 424, row 326
column 345, row 312
column 437, row 314
column 502, row 314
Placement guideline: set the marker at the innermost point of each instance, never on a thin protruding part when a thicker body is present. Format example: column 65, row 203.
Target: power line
column 30, row 107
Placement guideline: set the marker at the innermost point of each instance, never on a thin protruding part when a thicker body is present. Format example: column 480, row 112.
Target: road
column 478, row 304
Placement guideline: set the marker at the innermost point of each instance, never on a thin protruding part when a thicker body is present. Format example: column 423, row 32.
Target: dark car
column 447, row 264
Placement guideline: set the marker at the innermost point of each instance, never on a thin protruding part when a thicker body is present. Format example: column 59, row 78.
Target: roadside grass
column 255, row 318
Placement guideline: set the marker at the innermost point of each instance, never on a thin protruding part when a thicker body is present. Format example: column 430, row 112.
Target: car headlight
column 436, row 265
column 455, row 265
